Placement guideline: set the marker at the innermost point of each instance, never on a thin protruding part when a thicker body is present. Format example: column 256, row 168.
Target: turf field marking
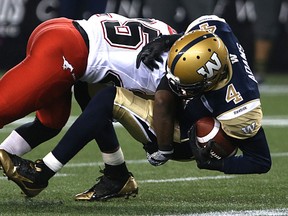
column 279, row 154
column 71, row 165
column 160, row 180
column 185, row 179
column 275, row 121
column 273, row 89
column 266, row 212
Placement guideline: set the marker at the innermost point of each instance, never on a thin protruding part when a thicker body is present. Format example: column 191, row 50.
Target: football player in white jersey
column 62, row 52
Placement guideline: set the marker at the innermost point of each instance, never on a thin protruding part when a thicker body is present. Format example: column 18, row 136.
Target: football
column 209, row 128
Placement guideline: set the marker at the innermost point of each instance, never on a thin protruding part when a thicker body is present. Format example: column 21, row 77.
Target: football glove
column 151, row 52
column 201, row 155
column 159, row 157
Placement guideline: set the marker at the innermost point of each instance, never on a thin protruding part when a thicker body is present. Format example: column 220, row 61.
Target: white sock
column 115, row 158
column 15, row 144
column 52, row 162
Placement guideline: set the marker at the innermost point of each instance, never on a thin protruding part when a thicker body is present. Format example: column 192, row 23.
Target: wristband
column 166, row 152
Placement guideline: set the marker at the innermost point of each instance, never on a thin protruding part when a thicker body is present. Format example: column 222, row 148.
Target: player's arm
column 163, row 122
column 163, row 118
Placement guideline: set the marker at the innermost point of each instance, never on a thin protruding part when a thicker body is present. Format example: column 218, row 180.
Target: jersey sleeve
column 200, row 23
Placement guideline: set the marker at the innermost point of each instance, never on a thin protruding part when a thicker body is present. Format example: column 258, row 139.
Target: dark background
column 19, row 18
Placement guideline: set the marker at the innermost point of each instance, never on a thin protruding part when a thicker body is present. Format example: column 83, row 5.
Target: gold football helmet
column 196, row 63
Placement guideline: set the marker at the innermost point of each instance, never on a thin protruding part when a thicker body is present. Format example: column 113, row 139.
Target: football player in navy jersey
column 208, row 66
column 207, row 75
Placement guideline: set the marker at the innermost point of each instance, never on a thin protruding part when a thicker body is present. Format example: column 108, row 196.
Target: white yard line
column 273, row 89
column 162, row 180
column 266, row 212
column 186, row 179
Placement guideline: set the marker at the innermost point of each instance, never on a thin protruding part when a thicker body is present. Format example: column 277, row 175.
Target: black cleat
column 107, row 188
column 23, row 172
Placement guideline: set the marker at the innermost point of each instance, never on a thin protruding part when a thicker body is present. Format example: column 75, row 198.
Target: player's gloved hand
column 159, row 157
column 201, row 155
column 151, row 52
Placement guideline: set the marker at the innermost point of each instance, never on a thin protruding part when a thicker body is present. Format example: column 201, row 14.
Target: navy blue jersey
column 237, row 100
column 243, row 80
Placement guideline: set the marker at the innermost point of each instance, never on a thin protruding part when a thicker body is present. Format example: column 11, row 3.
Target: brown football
column 209, row 128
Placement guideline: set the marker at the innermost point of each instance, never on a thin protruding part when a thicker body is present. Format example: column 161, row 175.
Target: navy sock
column 94, row 123
column 35, row 133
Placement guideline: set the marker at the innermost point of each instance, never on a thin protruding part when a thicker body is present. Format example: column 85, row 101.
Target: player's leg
column 256, row 156
column 43, row 77
column 48, row 122
column 28, row 136
column 133, row 112
column 39, row 81
column 94, row 122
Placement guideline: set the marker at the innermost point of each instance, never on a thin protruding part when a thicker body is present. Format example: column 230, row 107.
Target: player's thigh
column 57, row 113
column 135, row 114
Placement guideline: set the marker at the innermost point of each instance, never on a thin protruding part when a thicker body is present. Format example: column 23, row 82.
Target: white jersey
column 114, row 42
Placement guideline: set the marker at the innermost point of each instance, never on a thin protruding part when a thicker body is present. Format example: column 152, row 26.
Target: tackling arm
column 163, row 118
column 163, row 122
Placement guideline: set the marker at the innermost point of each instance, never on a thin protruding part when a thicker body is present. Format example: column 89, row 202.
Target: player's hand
column 159, row 158
column 201, row 155
column 151, row 52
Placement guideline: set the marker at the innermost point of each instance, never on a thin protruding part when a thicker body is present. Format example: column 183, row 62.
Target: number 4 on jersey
column 233, row 95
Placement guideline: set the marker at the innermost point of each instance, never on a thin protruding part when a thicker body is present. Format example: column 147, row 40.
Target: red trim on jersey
column 171, row 30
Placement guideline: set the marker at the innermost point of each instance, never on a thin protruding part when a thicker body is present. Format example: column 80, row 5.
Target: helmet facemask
column 186, row 90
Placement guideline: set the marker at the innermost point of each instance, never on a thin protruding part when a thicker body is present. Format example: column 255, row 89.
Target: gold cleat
column 108, row 188
column 23, row 172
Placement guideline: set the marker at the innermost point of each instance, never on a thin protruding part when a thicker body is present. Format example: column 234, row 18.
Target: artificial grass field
column 176, row 188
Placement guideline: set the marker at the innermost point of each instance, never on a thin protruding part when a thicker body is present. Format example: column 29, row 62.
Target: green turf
column 197, row 195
